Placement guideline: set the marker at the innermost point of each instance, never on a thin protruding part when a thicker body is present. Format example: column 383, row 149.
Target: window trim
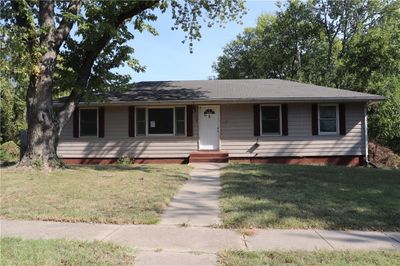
column 147, row 134
column 280, row 120
column 97, row 121
column 337, row 120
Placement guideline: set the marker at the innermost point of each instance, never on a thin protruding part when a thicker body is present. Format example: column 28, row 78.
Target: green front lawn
column 287, row 196
column 134, row 194
column 15, row 251
column 262, row 258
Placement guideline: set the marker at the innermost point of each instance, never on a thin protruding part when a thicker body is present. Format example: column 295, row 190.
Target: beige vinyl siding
column 237, row 134
column 116, row 142
column 236, row 137
column 299, row 119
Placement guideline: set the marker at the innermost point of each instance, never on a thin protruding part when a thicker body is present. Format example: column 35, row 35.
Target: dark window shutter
column 75, row 123
column 342, row 119
column 131, row 121
column 189, row 120
column 256, row 120
column 314, row 118
column 285, row 129
column 101, row 122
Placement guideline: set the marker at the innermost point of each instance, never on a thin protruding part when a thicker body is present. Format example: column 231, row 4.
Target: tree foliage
column 13, row 84
column 351, row 45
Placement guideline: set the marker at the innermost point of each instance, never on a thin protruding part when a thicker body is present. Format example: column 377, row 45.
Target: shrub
column 124, row 160
column 9, row 152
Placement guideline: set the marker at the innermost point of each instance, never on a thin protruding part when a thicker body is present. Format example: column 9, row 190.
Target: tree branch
column 93, row 51
column 91, row 55
column 66, row 24
column 46, row 20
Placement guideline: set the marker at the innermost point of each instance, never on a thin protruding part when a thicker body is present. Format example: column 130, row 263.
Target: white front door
column 209, row 127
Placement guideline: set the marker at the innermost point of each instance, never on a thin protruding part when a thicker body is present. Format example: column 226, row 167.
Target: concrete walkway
column 175, row 245
column 197, row 203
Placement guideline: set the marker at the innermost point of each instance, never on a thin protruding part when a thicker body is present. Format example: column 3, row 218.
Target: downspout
column 367, row 162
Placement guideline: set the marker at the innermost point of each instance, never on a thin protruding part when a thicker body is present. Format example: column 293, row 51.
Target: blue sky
column 166, row 58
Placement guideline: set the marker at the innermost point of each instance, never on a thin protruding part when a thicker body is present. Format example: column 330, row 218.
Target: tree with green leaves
column 372, row 64
column 71, row 47
column 351, row 45
column 278, row 45
column 13, row 84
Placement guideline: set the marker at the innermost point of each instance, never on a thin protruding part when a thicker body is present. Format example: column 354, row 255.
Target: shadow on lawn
column 114, row 167
column 285, row 196
column 5, row 163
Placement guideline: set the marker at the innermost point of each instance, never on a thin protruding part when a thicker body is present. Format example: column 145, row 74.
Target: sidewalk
column 199, row 245
column 197, row 202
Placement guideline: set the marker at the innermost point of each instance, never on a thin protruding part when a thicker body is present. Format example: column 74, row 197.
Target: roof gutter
column 366, row 134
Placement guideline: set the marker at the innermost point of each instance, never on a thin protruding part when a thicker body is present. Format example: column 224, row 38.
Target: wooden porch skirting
column 356, row 160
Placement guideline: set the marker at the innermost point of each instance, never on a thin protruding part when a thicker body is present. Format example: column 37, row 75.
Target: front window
column 271, row 120
column 161, row 121
column 88, row 122
column 328, row 119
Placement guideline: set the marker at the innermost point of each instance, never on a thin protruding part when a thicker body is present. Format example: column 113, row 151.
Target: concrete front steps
column 209, row 157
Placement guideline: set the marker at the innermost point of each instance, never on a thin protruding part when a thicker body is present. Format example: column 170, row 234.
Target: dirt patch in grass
column 284, row 196
column 102, row 194
column 15, row 251
column 261, row 258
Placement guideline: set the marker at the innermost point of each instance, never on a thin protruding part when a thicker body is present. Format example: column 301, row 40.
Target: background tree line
column 353, row 44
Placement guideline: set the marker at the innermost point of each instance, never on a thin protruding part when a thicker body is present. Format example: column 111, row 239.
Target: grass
column 284, row 196
column 361, row 258
column 15, row 251
column 101, row 194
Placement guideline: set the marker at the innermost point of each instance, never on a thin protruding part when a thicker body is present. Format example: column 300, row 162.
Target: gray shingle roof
column 245, row 90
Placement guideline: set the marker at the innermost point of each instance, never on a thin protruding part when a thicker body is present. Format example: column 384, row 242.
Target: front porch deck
column 209, row 157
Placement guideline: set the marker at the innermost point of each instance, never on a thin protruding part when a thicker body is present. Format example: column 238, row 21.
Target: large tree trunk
column 43, row 123
column 44, row 127
column 42, row 139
